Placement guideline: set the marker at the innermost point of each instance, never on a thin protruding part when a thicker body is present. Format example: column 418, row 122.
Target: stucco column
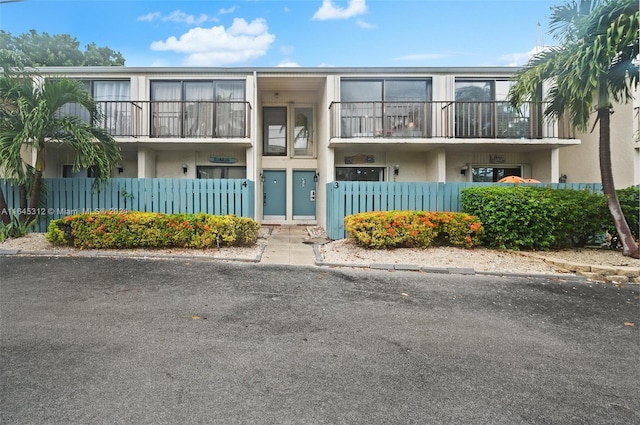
column 146, row 163
column 555, row 165
column 442, row 166
column 636, row 165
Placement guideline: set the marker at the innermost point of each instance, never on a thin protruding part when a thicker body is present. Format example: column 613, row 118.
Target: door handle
column 264, row 199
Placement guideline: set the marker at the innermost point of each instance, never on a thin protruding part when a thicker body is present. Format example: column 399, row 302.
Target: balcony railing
column 165, row 119
column 464, row 120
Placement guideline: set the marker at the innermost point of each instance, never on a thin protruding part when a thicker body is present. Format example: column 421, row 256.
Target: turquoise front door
column 274, row 194
column 304, row 195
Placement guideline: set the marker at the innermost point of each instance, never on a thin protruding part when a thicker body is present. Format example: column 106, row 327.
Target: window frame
column 380, row 169
column 200, row 169
column 180, row 115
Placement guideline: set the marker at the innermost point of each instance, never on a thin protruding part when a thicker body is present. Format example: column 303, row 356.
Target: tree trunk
column 5, row 217
column 23, row 202
column 35, row 197
column 629, row 246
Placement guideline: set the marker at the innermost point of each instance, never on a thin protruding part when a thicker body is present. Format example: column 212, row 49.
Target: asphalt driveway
column 126, row 341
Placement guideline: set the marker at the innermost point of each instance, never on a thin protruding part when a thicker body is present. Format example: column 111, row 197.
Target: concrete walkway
column 286, row 245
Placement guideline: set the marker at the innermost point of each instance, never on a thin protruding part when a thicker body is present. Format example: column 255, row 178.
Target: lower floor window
column 67, row 172
column 493, row 174
column 208, row 172
column 371, row 174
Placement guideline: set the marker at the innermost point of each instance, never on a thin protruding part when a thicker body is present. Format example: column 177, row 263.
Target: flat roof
column 279, row 70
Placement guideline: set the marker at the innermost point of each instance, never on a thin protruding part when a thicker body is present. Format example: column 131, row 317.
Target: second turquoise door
column 304, row 195
column 274, row 194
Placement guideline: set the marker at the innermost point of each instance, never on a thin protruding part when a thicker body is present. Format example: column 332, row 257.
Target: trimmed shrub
column 534, row 217
column 151, row 230
column 629, row 199
column 419, row 229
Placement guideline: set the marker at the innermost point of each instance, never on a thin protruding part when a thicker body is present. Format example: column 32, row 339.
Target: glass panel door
column 474, row 108
column 274, row 131
column 112, row 97
column 198, row 109
column 165, row 109
column 303, row 131
column 230, row 109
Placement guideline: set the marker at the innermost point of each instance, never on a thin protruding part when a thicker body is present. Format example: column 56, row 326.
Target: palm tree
column 32, row 120
column 594, row 63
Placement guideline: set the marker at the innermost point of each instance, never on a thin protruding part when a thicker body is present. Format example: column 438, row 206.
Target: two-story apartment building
column 292, row 130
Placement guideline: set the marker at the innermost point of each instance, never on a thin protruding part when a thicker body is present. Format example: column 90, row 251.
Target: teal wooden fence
column 71, row 196
column 345, row 198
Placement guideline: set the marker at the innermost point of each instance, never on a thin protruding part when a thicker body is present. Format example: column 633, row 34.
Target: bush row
column 151, row 230
column 400, row 229
column 541, row 218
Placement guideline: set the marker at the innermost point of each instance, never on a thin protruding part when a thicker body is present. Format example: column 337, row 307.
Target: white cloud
column 217, row 46
column 177, row 16
column 288, row 64
column 363, row 24
column 181, row 17
column 518, row 59
column 329, row 11
column 150, row 17
column 227, row 11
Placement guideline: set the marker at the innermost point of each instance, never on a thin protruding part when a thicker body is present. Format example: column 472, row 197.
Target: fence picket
column 346, row 198
column 66, row 196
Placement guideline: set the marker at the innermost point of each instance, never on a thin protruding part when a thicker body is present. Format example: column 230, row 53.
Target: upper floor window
column 112, row 97
column 198, row 108
column 482, row 111
column 385, row 107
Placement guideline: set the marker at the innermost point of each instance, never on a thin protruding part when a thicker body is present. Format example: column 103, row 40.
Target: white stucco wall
column 582, row 163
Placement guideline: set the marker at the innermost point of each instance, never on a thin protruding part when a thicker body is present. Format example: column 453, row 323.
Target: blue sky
column 307, row 33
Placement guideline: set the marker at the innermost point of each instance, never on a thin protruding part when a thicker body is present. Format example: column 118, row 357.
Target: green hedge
column 629, row 199
column 398, row 229
column 151, row 230
column 537, row 218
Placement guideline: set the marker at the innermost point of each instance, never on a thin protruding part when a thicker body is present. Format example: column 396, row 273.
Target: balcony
column 441, row 119
column 163, row 119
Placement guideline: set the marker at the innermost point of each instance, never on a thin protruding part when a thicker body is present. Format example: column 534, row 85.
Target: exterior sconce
column 120, row 169
column 562, row 179
column 315, row 177
column 184, row 168
column 463, row 169
column 262, row 177
column 396, row 169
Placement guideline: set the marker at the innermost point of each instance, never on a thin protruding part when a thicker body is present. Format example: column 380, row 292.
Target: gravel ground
column 347, row 252
column 480, row 259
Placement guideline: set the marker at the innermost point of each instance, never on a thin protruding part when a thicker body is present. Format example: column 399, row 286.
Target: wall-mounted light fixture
column 120, row 169
column 276, row 95
column 184, row 168
column 562, row 179
column 315, row 177
column 463, row 169
column 396, row 169
column 262, row 177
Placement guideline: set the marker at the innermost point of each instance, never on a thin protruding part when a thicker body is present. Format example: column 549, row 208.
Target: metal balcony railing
column 169, row 119
column 463, row 120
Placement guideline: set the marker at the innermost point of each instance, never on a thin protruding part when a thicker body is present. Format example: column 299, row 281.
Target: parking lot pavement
column 123, row 341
